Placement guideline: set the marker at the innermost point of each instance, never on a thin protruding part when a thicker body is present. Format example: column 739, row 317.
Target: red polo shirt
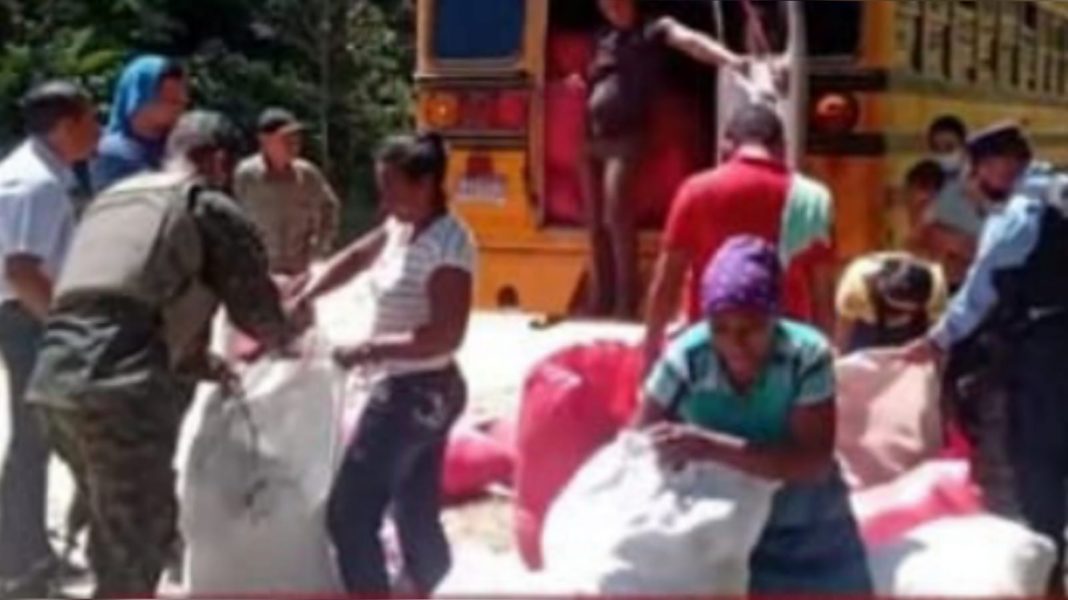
column 744, row 196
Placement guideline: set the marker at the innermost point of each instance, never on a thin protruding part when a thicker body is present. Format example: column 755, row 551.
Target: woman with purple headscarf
column 753, row 391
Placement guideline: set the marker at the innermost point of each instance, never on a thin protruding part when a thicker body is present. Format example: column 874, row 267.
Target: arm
column 450, row 295
column 32, row 288
column 669, row 277
column 665, row 296
column 235, row 268
column 823, row 281
column 345, row 265
column 38, row 216
column 806, row 457
column 329, row 210
column 1007, row 241
column 697, row 45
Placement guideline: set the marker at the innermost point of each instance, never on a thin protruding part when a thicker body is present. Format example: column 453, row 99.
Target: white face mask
column 951, row 163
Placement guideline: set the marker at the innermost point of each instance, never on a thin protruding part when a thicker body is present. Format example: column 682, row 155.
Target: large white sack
column 255, row 480
column 980, row 556
column 625, row 526
column 478, row 572
column 889, row 419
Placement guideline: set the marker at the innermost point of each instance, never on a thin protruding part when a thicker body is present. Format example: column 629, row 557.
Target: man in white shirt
column 36, row 224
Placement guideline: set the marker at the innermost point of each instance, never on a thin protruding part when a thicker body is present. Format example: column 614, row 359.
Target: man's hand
column 921, row 351
column 220, row 372
column 680, row 445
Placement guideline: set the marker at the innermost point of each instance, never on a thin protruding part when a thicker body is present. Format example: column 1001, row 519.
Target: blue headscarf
column 137, row 87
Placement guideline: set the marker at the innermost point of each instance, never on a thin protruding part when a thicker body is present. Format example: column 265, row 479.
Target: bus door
column 772, row 35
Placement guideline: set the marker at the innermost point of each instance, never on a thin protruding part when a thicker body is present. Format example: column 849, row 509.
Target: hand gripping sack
column 889, row 419
column 624, row 526
column 254, row 486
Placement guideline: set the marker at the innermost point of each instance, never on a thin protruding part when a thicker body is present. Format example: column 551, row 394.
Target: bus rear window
column 478, row 29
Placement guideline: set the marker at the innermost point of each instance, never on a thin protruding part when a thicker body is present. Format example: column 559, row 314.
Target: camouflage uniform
column 112, row 398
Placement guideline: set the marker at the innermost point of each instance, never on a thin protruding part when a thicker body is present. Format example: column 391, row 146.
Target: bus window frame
column 509, row 64
column 964, row 23
column 988, row 44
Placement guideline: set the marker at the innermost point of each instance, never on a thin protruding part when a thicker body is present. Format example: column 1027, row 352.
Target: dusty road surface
column 497, row 354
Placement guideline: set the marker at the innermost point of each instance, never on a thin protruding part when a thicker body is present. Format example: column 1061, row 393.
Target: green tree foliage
column 342, row 65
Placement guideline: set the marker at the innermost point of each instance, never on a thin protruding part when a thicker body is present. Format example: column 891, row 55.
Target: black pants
column 24, row 481
column 1038, row 425
column 395, row 461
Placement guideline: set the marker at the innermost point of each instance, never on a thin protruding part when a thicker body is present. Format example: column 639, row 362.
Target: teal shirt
column 811, row 544
column 690, row 381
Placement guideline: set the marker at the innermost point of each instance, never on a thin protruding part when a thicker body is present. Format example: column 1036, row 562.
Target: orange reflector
column 441, row 110
column 835, row 113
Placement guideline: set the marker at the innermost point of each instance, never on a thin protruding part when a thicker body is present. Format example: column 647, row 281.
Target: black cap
column 274, row 120
column 1001, row 139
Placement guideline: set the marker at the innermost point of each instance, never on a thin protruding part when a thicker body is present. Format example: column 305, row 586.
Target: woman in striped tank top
column 420, row 263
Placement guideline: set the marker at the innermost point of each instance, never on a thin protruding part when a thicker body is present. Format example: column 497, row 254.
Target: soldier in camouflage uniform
column 153, row 260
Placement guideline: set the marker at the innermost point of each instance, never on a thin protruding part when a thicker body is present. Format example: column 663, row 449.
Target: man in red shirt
column 752, row 193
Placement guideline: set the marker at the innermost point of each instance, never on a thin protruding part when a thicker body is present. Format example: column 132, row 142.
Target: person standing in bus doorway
column 946, row 138
column 752, row 193
column 627, row 71
column 150, row 96
column 286, row 196
column 36, row 224
column 1016, row 295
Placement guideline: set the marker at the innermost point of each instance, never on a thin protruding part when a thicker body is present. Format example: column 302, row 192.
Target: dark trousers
column 1038, row 426
column 24, row 480
column 395, row 462
column 607, row 181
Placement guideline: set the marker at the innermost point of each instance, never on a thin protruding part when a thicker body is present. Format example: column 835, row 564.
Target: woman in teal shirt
column 756, row 392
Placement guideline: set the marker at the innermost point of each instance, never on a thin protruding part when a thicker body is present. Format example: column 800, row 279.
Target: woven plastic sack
column 889, row 420
column 626, row 526
column 255, row 479
column 574, row 402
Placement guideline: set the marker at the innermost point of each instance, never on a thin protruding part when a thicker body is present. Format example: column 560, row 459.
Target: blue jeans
column 24, row 480
column 395, row 462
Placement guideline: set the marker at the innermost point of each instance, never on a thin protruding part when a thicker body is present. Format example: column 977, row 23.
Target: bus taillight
column 512, row 110
column 441, row 110
column 476, row 110
column 835, row 113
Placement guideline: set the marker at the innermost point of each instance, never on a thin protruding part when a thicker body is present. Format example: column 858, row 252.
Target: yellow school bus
column 875, row 74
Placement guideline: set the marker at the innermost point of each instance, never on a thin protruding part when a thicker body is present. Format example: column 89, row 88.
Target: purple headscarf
column 745, row 274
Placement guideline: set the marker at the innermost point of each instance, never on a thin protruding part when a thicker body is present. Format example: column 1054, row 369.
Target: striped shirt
column 400, row 281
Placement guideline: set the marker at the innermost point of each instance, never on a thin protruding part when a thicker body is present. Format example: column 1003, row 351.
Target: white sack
column 253, row 506
column 624, row 526
column 964, row 557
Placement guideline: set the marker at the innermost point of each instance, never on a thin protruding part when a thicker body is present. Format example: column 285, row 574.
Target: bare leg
column 622, row 227
column 600, row 267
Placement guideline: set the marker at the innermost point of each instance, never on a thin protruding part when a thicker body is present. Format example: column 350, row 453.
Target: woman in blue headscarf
column 150, row 96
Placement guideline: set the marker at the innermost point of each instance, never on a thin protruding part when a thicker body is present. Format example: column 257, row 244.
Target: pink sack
column 889, row 419
column 933, row 491
column 474, row 460
column 574, row 402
